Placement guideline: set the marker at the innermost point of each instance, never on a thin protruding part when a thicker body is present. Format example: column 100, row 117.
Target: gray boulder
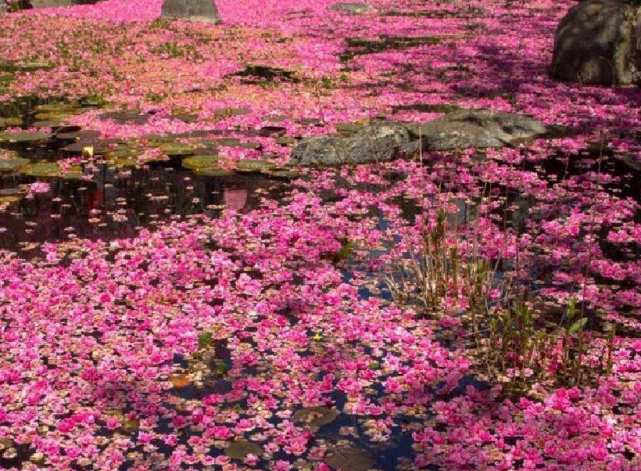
column 477, row 128
column 385, row 141
column 599, row 42
column 354, row 8
column 377, row 143
column 191, row 10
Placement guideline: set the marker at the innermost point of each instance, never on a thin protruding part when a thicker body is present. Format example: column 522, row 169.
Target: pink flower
column 248, row 286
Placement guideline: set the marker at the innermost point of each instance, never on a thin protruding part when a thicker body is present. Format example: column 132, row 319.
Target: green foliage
column 205, row 340
column 514, row 339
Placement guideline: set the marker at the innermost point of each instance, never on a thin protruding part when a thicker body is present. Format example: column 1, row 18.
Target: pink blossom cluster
column 94, row 334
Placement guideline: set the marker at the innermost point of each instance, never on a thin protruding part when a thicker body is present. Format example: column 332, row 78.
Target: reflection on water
column 116, row 202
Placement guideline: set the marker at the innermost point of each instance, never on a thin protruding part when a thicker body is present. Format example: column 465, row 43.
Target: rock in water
column 478, row 128
column 376, row 143
column 385, row 141
column 598, row 42
column 191, row 10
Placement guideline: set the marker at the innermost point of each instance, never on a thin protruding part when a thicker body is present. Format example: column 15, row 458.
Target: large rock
column 191, row 10
column 599, row 42
column 377, row 143
column 477, row 128
column 386, row 141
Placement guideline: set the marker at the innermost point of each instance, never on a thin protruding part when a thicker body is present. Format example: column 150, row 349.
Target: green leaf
column 221, row 369
column 578, row 325
column 346, row 251
column 204, row 340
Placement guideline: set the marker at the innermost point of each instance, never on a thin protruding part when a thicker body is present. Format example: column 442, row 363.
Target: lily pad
column 124, row 153
column 130, row 425
column 14, row 121
column 126, row 117
column 349, row 459
column 24, row 136
column 214, row 172
column 51, row 170
column 241, row 448
column 58, row 108
column 51, row 116
column 222, row 141
column 249, row 145
column 282, row 174
column 31, row 66
column 126, row 162
column 12, row 165
column 198, row 162
column 10, row 199
column 42, row 170
column 74, row 173
column 251, row 166
column 12, row 192
column 180, row 381
column 316, row 416
column 176, row 149
column 48, row 124
column 225, row 112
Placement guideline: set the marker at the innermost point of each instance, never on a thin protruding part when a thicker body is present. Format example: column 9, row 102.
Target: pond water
column 107, row 202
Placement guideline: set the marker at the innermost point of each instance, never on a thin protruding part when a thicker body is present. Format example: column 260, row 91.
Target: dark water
column 117, row 203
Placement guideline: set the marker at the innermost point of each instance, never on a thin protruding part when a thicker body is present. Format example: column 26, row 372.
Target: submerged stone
column 241, row 448
column 316, row 416
column 191, row 10
column 349, row 459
